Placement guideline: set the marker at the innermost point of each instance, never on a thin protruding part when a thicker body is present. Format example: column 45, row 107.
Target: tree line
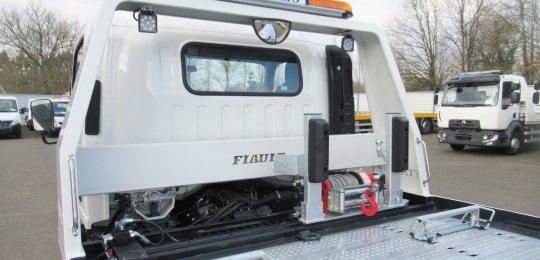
column 431, row 40
column 37, row 54
column 435, row 39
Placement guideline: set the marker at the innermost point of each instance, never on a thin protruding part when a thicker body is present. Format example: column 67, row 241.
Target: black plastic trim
column 318, row 150
column 400, row 144
column 91, row 127
column 340, row 92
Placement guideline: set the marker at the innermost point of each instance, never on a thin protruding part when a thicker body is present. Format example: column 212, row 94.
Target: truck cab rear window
column 210, row 69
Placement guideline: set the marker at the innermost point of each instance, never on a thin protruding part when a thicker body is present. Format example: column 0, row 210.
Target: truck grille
column 5, row 124
column 464, row 124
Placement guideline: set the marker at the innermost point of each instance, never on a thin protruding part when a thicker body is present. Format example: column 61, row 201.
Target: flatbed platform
column 393, row 241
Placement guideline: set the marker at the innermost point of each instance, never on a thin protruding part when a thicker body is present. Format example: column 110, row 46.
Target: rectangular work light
column 147, row 21
column 347, row 43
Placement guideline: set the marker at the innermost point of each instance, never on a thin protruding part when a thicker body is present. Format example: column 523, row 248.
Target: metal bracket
column 312, row 206
column 430, row 227
column 380, row 149
column 420, row 141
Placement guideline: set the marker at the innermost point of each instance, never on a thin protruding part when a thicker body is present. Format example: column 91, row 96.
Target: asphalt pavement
column 487, row 176
column 28, row 219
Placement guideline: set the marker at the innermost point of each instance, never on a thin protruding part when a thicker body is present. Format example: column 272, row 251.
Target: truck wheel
column 426, row 126
column 516, row 142
column 19, row 134
column 457, row 147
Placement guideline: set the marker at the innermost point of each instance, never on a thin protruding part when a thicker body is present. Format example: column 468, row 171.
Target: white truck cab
column 489, row 109
column 226, row 129
column 10, row 122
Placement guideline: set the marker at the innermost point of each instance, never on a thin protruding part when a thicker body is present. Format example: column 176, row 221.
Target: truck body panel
column 421, row 103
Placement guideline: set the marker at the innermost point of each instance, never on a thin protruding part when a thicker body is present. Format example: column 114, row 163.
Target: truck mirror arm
column 44, row 138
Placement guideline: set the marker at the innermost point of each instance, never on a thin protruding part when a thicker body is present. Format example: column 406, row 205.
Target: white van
column 28, row 118
column 10, row 123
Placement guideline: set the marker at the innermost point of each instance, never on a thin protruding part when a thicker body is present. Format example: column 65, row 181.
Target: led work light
column 347, row 43
column 147, row 20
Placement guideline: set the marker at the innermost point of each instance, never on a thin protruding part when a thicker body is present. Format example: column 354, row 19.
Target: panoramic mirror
column 271, row 31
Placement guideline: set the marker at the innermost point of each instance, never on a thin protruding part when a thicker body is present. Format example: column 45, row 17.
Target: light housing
column 334, row 4
column 442, row 135
column 347, row 43
column 147, row 20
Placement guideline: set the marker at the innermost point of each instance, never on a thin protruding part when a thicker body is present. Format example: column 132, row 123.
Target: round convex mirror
column 271, row 31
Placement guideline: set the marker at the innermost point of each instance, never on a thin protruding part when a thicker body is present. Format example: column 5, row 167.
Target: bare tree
column 418, row 45
column 528, row 18
column 466, row 19
column 228, row 69
column 498, row 40
column 44, row 39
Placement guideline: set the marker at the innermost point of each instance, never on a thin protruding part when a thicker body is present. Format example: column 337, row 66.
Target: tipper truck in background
column 421, row 103
column 210, row 129
column 489, row 109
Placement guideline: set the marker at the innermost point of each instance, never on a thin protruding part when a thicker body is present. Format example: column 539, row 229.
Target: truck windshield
column 8, row 105
column 60, row 108
column 471, row 94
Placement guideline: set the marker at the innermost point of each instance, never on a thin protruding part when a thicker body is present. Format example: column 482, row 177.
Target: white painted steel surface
column 419, row 101
column 150, row 122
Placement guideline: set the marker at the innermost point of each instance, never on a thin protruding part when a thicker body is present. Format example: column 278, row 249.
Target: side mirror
column 536, row 98
column 537, row 86
column 514, row 97
column 43, row 117
column 42, row 114
column 436, row 90
column 435, row 99
column 23, row 110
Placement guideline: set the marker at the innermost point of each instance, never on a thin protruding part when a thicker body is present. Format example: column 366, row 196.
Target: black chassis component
column 225, row 239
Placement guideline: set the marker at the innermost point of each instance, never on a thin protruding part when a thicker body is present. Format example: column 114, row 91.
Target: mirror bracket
column 44, row 138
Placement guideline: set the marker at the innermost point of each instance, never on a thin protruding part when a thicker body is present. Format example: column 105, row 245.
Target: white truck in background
column 489, row 109
column 226, row 130
column 421, row 103
column 10, row 122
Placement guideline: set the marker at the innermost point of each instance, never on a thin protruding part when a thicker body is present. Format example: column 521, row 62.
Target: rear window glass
column 210, row 69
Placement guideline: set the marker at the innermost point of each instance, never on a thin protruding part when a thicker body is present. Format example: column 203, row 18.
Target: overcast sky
column 380, row 12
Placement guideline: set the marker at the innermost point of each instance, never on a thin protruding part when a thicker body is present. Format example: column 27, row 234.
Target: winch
column 351, row 189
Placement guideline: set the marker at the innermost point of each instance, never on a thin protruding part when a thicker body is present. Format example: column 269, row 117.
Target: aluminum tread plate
column 392, row 241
